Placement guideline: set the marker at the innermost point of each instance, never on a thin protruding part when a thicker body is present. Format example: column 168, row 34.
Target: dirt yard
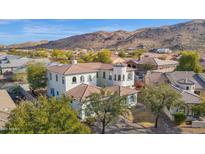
column 145, row 118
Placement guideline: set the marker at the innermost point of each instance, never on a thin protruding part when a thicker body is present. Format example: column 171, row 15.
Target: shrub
column 122, row 54
column 179, row 118
column 19, row 77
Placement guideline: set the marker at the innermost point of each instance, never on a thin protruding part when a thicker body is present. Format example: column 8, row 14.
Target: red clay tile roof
column 81, row 68
column 82, row 91
column 122, row 91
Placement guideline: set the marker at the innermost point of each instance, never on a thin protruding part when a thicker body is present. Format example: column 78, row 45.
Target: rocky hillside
column 91, row 40
column 27, row 44
column 189, row 35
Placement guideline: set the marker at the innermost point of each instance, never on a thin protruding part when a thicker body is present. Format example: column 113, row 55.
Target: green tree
column 137, row 53
column 147, row 67
column 49, row 116
column 104, row 56
column 189, row 61
column 69, row 55
column 88, row 57
column 199, row 109
column 58, row 53
column 19, row 77
column 122, row 54
column 13, row 51
column 106, row 107
column 36, row 76
column 158, row 97
column 42, row 53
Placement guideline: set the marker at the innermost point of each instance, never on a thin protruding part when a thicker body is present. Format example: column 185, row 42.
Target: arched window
column 119, row 77
column 132, row 98
column 104, row 75
column 63, row 80
column 129, row 77
column 110, row 77
column 56, row 77
column 123, row 77
column 129, row 65
column 115, row 78
column 74, row 79
column 82, row 79
column 50, row 76
column 89, row 78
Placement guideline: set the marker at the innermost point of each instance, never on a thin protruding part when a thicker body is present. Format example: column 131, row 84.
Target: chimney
column 73, row 60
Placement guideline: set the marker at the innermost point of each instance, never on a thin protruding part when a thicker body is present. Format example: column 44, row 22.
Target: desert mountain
column 27, row 44
column 189, row 35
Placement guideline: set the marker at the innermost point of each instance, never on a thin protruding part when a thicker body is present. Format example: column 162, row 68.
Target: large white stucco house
column 63, row 79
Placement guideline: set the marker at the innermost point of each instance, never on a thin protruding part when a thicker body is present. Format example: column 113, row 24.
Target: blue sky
column 18, row 31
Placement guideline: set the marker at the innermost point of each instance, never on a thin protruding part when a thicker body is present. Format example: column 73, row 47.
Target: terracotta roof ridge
column 87, row 86
column 84, row 91
column 67, row 69
column 94, row 86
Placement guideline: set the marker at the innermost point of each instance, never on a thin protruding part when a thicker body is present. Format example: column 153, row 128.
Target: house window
column 52, row 92
column 50, row 74
column 97, row 74
column 63, row 80
column 129, row 77
column 132, row 98
column 104, row 75
column 119, row 77
column 89, row 78
column 74, row 80
column 56, row 77
column 115, row 77
column 82, row 79
column 187, row 88
column 110, row 77
column 57, row 93
column 197, row 92
column 129, row 65
column 123, row 77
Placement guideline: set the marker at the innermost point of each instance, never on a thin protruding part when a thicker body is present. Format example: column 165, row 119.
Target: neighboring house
column 6, row 58
column 116, row 59
column 150, row 63
column 159, row 55
column 162, row 50
column 188, row 83
column 190, row 99
column 62, row 78
column 12, row 63
column 80, row 93
column 157, row 64
column 154, row 78
column 185, row 80
column 188, row 80
column 6, row 105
